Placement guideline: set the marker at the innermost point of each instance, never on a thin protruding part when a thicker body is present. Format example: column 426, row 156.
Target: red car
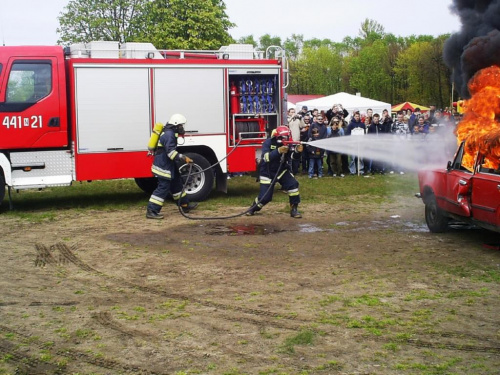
column 460, row 194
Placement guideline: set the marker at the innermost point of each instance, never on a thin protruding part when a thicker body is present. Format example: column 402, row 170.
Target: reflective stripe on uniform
column 161, row 172
column 266, row 157
column 265, row 180
column 260, row 205
column 176, row 196
column 172, row 154
column 156, row 200
column 293, row 192
column 282, row 173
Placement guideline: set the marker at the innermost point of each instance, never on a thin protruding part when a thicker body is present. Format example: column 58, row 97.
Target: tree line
column 377, row 64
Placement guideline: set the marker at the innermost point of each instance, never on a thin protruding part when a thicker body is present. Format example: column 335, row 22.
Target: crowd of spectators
column 308, row 125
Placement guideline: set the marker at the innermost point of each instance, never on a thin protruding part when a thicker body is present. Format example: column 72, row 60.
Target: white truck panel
column 197, row 93
column 49, row 168
column 113, row 111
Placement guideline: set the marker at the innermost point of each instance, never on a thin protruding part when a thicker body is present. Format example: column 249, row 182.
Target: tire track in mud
column 44, row 256
column 292, row 322
column 104, row 318
column 71, row 257
column 26, row 363
column 32, row 364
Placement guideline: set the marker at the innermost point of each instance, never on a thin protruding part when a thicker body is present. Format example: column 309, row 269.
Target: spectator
column 304, row 136
column 355, row 124
column 369, row 113
column 304, row 111
column 399, row 126
column 413, row 119
column 296, row 124
column 385, row 122
column 374, row 128
column 432, row 110
column 315, row 155
column 436, row 120
column 336, row 110
column 334, row 159
column 421, row 129
column 322, row 131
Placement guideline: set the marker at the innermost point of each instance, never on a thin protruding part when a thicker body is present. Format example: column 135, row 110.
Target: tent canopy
column 348, row 101
column 408, row 105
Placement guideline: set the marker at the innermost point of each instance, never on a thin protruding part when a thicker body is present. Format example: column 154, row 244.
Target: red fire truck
column 86, row 112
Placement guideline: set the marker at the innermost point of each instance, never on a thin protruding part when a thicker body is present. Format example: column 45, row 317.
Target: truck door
column 457, row 192
column 32, row 103
column 486, row 195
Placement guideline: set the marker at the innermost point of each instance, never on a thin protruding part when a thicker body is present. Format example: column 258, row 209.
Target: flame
column 480, row 127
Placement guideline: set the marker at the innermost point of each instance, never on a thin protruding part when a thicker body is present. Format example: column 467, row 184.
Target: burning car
column 463, row 194
column 468, row 190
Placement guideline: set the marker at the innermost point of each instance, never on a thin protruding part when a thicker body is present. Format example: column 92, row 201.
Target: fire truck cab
column 86, row 112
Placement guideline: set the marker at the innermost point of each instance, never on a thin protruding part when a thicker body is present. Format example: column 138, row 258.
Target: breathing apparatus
column 176, row 123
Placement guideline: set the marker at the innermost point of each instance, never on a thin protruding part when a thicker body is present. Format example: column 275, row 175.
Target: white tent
column 348, row 101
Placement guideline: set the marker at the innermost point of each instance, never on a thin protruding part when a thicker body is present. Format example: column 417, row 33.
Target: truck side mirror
column 448, row 166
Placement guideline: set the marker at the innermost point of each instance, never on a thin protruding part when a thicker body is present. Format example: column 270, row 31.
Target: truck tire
column 2, row 187
column 147, row 184
column 200, row 184
column 436, row 221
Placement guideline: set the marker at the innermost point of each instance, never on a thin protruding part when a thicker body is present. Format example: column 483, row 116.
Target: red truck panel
column 33, row 121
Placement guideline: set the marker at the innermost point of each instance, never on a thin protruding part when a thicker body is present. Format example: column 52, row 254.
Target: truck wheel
column 199, row 185
column 434, row 217
column 2, row 187
column 147, row 184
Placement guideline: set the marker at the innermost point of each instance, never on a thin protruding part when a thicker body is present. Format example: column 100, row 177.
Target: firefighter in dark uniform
column 275, row 161
column 164, row 168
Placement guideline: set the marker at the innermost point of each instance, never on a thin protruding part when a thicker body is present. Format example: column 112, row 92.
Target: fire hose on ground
column 271, row 185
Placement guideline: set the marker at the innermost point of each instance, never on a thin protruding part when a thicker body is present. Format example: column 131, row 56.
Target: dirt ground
column 347, row 289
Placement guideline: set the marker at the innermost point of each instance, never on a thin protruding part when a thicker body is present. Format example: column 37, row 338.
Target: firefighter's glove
column 299, row 148
column 188, row 160
column 283, row 149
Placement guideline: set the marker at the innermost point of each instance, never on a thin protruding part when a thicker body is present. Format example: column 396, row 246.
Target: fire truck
column 86, row 112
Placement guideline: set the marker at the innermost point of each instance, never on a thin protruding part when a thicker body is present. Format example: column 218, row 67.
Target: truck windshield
column 29, row 82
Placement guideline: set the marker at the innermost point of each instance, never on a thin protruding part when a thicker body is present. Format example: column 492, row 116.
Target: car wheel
column 147, row 184
column 2, row 187
column 200, row 183
column 434, row 217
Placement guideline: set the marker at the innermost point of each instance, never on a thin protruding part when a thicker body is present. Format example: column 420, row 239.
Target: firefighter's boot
column 294, row 211
column 186, row 207
column 150, row 214
column 253, row 209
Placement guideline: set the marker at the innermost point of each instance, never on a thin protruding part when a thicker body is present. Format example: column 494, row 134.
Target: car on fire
column 461, row 194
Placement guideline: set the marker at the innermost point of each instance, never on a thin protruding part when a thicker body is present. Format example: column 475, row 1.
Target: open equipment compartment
column 254, row 105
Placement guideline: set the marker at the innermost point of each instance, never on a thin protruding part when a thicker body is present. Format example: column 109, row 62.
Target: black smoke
column 477, row 44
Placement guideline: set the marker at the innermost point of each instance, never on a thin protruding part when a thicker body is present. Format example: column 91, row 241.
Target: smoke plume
column 477, row 44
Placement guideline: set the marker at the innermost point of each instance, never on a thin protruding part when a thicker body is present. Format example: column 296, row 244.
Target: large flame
column 480, row 127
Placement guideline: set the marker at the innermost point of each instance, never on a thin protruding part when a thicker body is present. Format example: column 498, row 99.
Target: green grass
column 304, row 337
column 37, row 206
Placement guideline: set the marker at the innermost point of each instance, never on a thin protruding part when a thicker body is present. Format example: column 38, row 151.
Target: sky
column 34, row 22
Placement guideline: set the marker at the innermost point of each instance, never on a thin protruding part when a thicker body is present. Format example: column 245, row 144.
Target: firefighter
column 275, row 162
column 169, row 178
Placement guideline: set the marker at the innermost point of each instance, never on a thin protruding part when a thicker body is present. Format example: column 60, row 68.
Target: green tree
column 248, row 40
column 187, row 24
column 88, row 20
column 369, row 73
column 370, row 31
column 317, row 71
